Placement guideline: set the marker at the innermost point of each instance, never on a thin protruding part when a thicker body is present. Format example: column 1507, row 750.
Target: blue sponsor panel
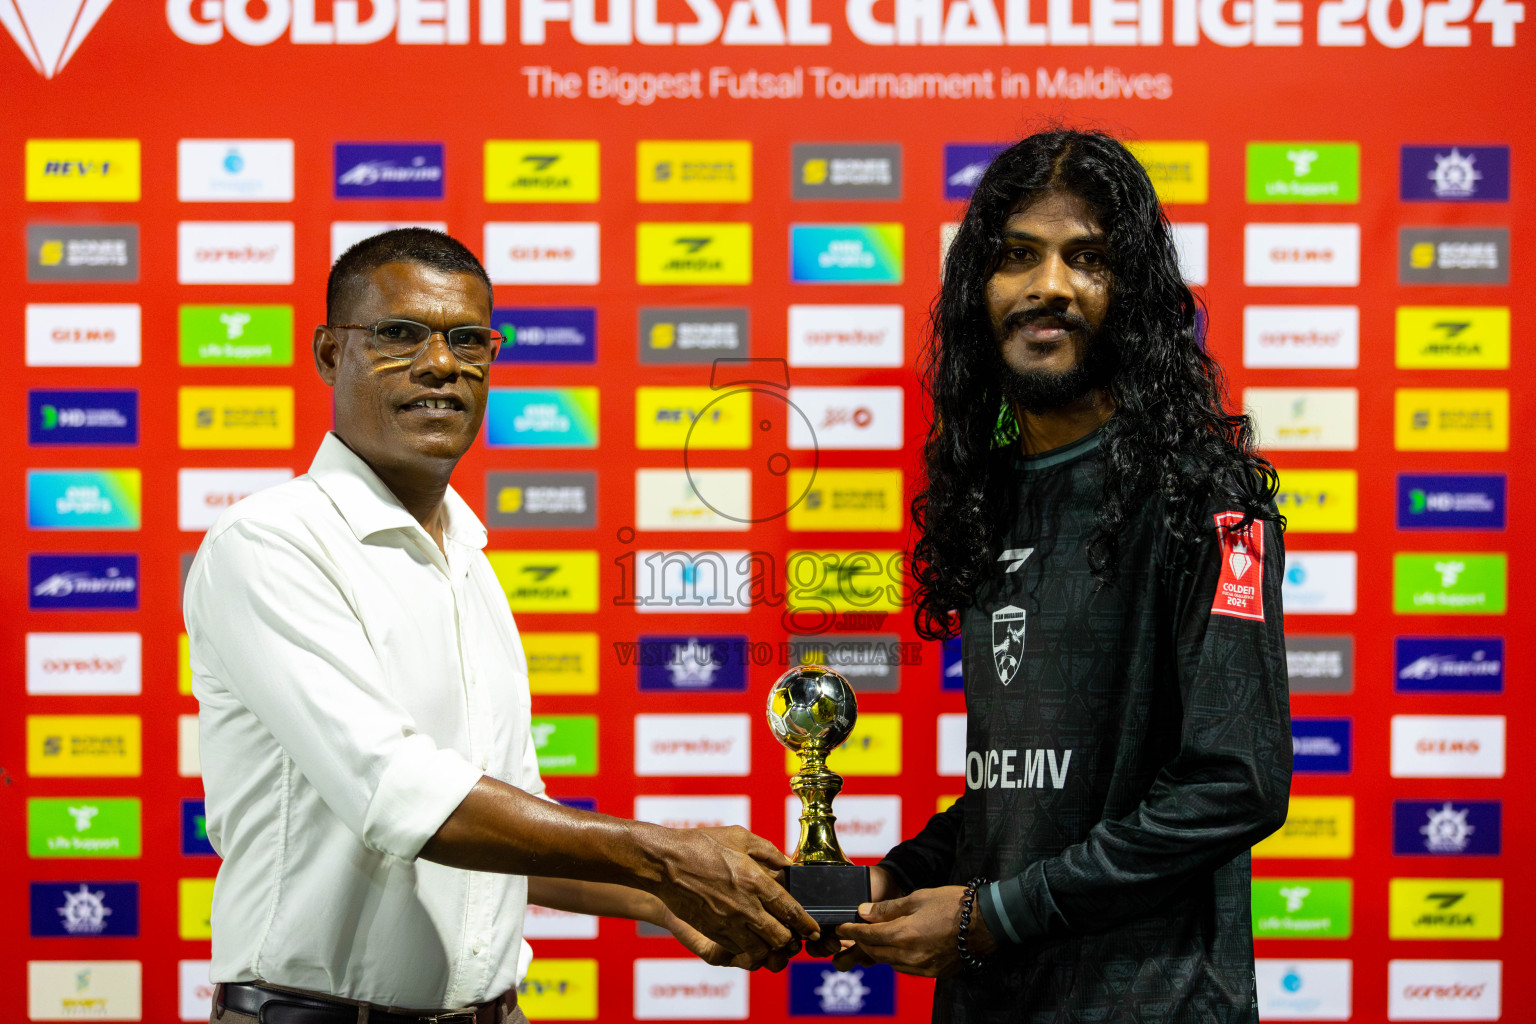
column 82, row 582
column 389, row 170
column 1321, row 745
column 964, row 166
column 954, row 666
column 1446, row 828
column 816, row 990
column 693, row 663
column 1449, row 664
column 96, row 417
column 1455, row 174
column 1451, row 501
column 194, row 830
column 581, row 803
column 76, row 909
column 547, row 335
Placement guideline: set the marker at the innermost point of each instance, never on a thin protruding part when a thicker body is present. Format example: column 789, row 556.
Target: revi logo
column 50, row 31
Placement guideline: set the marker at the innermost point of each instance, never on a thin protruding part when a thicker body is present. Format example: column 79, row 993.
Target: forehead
column 1054, row 214
column 417, row 291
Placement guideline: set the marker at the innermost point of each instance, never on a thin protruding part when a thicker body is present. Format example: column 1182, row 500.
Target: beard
column 1040, row 391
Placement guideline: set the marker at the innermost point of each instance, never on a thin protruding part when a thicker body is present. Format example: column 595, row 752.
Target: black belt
column 277, row 1006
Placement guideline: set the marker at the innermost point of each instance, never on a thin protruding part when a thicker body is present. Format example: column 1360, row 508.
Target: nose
column 436, row 359
column 1050, row 282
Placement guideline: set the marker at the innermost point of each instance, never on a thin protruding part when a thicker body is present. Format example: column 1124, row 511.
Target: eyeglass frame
column 373, row 330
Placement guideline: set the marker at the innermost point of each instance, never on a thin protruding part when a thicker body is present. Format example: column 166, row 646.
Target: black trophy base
column 830, row 893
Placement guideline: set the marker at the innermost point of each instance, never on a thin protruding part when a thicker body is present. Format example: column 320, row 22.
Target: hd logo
column 541, row 171
column 693, row 253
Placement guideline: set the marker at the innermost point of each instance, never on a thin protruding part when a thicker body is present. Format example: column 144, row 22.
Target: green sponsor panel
column 1302, row 908
column 236, row 335
column 1303, row 172
column 83, row 827
column 566, row 744
column 1461, row 582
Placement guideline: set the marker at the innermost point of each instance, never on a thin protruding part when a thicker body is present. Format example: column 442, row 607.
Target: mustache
column 1066, row 318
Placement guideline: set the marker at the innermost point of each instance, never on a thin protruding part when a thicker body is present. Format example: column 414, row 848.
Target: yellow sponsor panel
column 946, row 802
column 1315, row 826
column 1446, row 908
column 715, row 252
column 844, row 581
column 1453, row 337
column 194, row 908
column 1319, row 500
column 79, row 745
column 83, row 170
column 1452, row 420
column 846, row 499
column 559, row 990
column 547, row 581
column 561, row 662
column 541, row 171
column 698, row 418
column 693, row 172
column 873, row 748
column 183, row 665
column 1180, row 171
column 235, row 417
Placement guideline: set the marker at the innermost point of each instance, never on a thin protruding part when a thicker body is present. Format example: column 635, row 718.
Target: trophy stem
column 815, row 785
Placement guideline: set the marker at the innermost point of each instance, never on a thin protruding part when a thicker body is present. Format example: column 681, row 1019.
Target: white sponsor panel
column 665, row 499
column 947, row 233
column 196, row 999
column 1304, row 989
column 689, row 990
column 845, row 418
column 1325, row 255
column 234, row 252
column 542, row 253
column 1319, row 583
column 1305, row 419
column 693, row 581
column 234, row 170
column 83, row 334
column 692, row 744
column 952, row 745
column 548, row 923
column 1301, row 337
column 204, row 494
column 867, row 826
column 189, row 763
column 85, row 664
column 1192, row 242
column 1448, row 746
column 846, row 336
column 695, row 811
column 1444, row 989
column 347, row 233
column 84, row 990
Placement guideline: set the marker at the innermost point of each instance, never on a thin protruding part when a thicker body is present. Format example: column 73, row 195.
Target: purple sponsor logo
column 409, row 170
column 1450, row 664
column 1450, row 501
column 964, row 166
column 1445, row 828
column 84, row 910
column 953, row 677
column 816, row 990
column 194, row 830
column 82, row 582
column 539, row 335
column 693, row 663
column 82, row 417
column 1455, row 174
column 1321, row 745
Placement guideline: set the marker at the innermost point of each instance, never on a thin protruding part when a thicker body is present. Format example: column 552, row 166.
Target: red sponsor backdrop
column 132, row 77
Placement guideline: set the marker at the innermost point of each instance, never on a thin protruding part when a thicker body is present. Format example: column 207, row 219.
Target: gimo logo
column 50, row 31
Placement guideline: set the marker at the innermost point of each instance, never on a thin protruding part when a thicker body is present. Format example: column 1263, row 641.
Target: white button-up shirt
column 354, row 684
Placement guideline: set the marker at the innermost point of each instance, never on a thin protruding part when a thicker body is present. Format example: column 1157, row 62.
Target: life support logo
column 50, row 33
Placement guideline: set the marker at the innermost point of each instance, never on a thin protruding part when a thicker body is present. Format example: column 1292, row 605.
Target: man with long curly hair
column 1101, row 535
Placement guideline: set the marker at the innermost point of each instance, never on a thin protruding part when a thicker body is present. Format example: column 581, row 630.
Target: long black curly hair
column 1170, row 438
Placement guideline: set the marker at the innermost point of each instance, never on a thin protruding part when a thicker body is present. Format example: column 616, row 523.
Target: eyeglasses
column 404, row 339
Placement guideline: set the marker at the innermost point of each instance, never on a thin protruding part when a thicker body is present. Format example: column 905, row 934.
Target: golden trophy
column 811, row 710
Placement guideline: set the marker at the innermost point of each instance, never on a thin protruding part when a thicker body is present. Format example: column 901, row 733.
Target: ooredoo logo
column 692, row 745
column 238, row 252
column 695, row 811
column 84, row 664
column 1444, row 989
column 1304, row 337
column 50, row 33
column 867, row 826
column 676, row 989
column 845, row 336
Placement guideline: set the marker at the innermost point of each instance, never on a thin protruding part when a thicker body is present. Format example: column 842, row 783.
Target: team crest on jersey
column 1240, row 590
column 1007, row 642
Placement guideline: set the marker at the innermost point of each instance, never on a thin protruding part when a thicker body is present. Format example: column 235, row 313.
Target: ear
column 327, row 348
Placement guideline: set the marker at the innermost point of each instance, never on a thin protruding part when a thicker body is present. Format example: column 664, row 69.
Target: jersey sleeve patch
column 1240, row 590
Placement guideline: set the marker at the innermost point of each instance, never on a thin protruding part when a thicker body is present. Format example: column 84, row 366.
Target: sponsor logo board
column 565, row 744
column 560, row 663
column 693, row 334
column 1319, row 583
column 1448, row 746
column 1301, row 255
column 1304, row 989
column 189, row 763
column 254, row 335
column 1445, row 908
column 103, row 334
column 1305, row 419
column 76, row 909
column 541, row 171
column 693, row 253
column 873, row 748
column 669, row 499
column 194, row 830
column 693, row 172
column 547, row 334
column 234, row 252
column 84, row 499
column 1315, row 826
column 85, row 990
column 1452, row 420
column 565, row 500
column 1180, row 171
column 953, row 670
column 82, row 170
column 226, row 417
column 1452, row 255
column 846, row 499
column 1321, row 746
column 347, row 233
column 82, row 253
column 373, row 170
column 815, row 990
column 541, row 418
column 1444, row 989
column 85, row 664
column 1455, row 174
column 79, row 745
column 964, row 164
column 1303, row 172
column 234, row 170
column 675, row 989
column 560, row 989
column 694, row 663
column 83, row 827
column 693, row 418
column 543, row 252
column 82, row 582
column 867, row 826
column 1192, row 245
column 547, row 581
column 194, row 908
column 866, row 581
column 846, row 418
column 95, row 417
column 846, row 171
column 694, row 811
column 871, row 662
column 195, row 990
column 846, row 336
column 1446, row 828
column 1301, row 337
column 1319, row 500
column 546, row 923
column 202, row 495
column 1464, row 583
column 1302, row 908
column 1453, row 337
column 693, row 745
column 1320, row 664
column 951, row 745
column 846, row 253
column 689, row 581
column 1449, row 664
column 1451, row 501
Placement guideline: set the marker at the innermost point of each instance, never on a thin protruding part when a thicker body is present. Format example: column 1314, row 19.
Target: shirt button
column 475, row 949
column 485, row 763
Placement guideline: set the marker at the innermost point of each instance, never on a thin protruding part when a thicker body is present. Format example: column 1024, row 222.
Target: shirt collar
column 370, row 507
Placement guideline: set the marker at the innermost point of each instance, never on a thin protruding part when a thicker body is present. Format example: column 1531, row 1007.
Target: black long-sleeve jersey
column 1126, row 746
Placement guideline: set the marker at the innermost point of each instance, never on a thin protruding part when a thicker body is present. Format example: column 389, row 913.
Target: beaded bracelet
column 967, row 905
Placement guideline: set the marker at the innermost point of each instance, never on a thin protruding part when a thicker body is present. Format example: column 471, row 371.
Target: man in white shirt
column 370, row 774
